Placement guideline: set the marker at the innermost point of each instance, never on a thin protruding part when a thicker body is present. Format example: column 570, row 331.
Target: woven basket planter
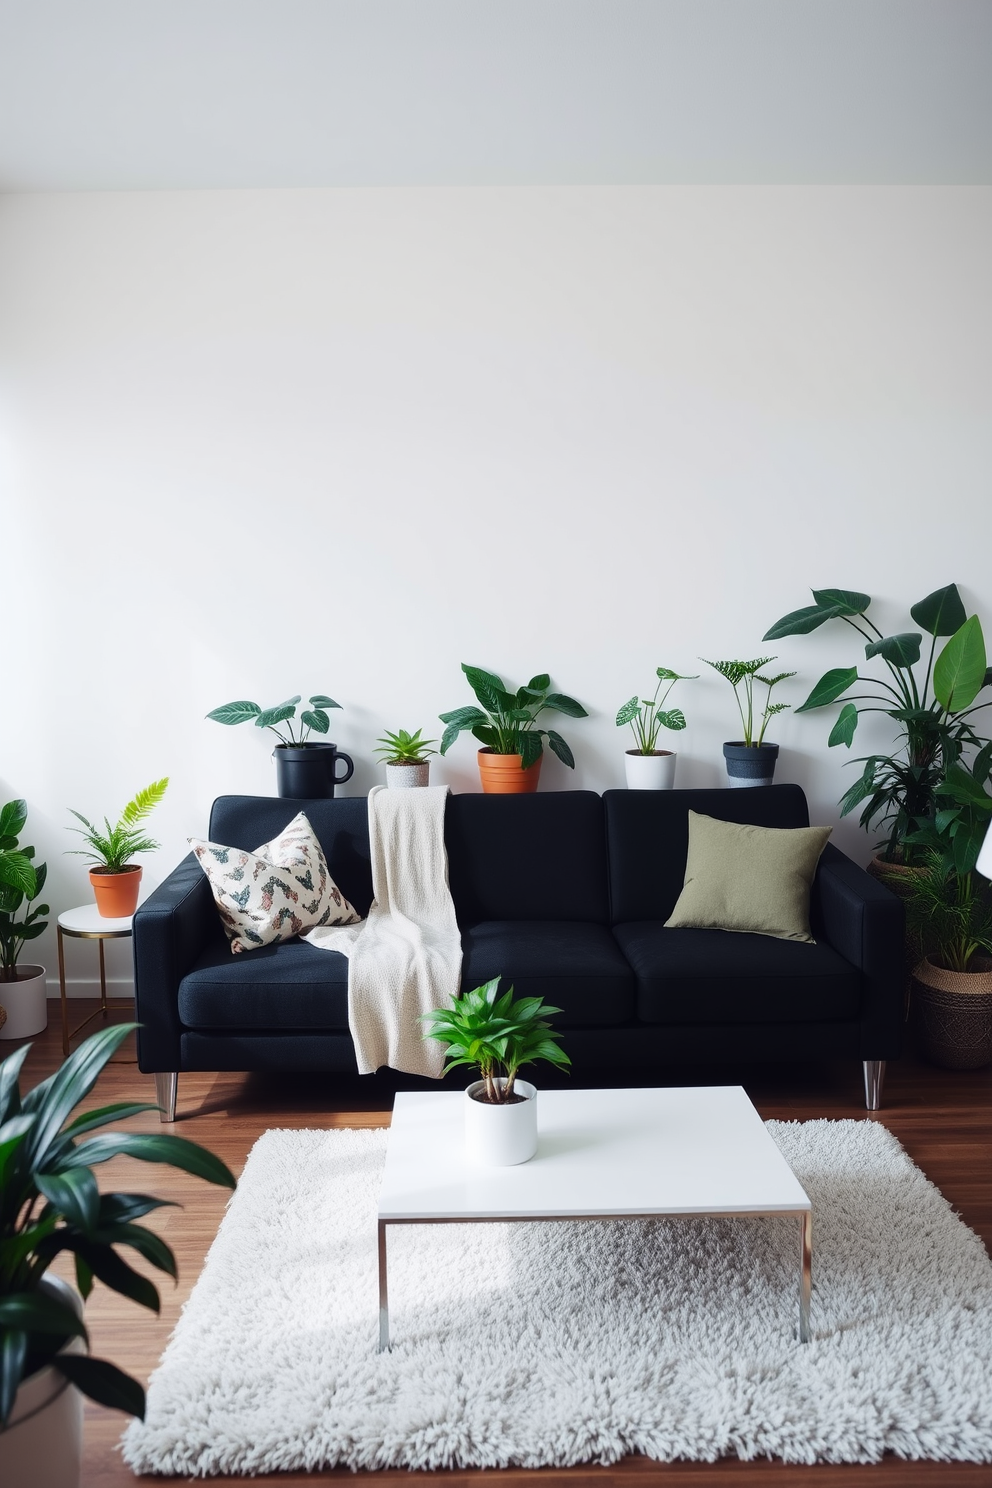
column 954, row 1014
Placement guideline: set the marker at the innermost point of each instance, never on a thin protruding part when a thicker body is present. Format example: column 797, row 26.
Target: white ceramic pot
column 403, row 777
column 501, row 1136
column 25, row 1003
column 42, row 1446
column 650, row 771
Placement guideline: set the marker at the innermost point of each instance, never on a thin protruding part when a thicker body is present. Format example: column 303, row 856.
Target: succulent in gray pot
column 23, row 989
column 407, row 758
column 750, row 760
column 49, row 1205
column 306, row 768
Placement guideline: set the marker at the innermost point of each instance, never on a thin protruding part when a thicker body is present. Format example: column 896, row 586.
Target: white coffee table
column 602, row 1154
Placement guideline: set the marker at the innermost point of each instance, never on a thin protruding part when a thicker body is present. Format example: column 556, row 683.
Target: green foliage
column 115, row 846
column 506, row 722
column 932, row 711
column 402, row 748
column 648, row 716
column 50, row 1203
column 312, row 718
column 496, row 1035
column 742, row 676
column 21, row 880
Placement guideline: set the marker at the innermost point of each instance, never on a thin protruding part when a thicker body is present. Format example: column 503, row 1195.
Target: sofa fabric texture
column 565, row 895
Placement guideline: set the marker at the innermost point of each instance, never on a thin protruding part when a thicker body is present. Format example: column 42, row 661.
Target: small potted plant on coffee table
column 750, row 761
column 497, row 1035
column 647, row 766
column 406, row 757
column 115, row 879
column 23, row 990
column 505, row 724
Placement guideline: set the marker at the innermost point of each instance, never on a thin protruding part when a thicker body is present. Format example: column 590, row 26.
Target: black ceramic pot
column 750, row 764
column 310, row 771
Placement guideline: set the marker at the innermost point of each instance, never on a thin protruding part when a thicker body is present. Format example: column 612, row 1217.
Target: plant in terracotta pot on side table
column 505, row 724
column 23, row 990
column 407, row 758
column 750, row 761
column 647, row 766
column 496, row 1035
column 116, row 880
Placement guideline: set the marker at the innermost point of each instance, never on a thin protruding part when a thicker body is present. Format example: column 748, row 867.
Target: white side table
column 85, row 923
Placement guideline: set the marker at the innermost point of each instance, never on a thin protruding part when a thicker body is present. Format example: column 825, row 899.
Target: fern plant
column 113, row 848
column 496, row 1035
column 742, row 676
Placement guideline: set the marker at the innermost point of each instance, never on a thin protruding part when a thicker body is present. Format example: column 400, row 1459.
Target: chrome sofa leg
column 874, row 1080
column 166, row 1090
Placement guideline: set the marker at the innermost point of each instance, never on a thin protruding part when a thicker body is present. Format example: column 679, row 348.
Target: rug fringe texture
column 548, row 1345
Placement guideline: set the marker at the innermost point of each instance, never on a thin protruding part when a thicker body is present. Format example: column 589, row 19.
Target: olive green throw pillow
column 755, row 879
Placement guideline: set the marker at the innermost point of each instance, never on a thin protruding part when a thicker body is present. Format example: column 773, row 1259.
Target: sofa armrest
column 170, row 930
column 865, row 923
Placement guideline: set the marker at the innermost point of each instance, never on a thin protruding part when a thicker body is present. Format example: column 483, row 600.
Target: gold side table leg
column 65, row 1009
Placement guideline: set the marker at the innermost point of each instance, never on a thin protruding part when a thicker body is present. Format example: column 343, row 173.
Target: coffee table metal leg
column 806, row 1273
column 383, row 1291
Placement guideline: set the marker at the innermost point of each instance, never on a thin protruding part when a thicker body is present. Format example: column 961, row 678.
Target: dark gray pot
column 309, row 772
column 750, row 764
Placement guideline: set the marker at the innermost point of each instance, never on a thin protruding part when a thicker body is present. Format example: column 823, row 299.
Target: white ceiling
column 139, row 94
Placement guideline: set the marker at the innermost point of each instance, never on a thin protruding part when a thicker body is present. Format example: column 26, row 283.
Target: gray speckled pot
column 403, row 777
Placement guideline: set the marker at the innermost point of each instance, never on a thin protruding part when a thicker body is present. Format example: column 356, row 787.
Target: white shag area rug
column 538, row 1345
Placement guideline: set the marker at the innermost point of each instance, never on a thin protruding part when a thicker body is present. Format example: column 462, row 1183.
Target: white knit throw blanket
column 405, row 959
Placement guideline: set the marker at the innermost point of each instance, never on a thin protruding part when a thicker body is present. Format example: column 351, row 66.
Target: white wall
column 255, row 443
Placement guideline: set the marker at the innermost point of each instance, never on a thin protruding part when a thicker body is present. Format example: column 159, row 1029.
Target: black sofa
column 564, row 894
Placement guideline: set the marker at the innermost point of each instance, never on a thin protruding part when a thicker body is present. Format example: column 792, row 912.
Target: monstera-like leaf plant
column 929, row 692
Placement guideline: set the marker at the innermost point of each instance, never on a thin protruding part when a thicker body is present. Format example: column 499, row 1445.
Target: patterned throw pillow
column 280, row 890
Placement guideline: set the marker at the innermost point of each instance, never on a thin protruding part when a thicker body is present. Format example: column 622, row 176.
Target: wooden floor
column 944, row 1120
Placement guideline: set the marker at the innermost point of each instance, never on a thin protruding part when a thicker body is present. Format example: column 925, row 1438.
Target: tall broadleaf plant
column 506, row 722
column 931, row 693
column 21, row 882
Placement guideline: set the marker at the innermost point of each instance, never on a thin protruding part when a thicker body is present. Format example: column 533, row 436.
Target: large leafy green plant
column 931, row 697
column 50, row 1203
column 506, row 722
column 496, row 1035
column 742, row 676
column 115, row 846
column 21, row 881
column 648, row 716
column 314, row 718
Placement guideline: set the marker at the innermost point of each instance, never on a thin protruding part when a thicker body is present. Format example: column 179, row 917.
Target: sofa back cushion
column 341, row 825
column 647, row 834
column 527, row 857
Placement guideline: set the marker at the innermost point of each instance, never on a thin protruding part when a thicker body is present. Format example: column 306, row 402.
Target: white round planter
column 404, row 777
column 42, row 1446
column 650, row 771
column 501, row 1136
column 25, row 1003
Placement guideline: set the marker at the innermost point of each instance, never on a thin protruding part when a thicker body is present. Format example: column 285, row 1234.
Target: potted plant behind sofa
column 50, row 1205
column 931, row 702
column 497, row 1035
column 23, row 989
column 949, row 907
column 750, row 761
column 306, row 769
column 648, row 767
column 115, row 879
column 505, row 724
column 406, row 757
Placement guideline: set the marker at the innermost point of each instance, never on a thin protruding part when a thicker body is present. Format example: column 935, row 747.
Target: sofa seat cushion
column 280, row 987
column 723, row 977
column 576, row 967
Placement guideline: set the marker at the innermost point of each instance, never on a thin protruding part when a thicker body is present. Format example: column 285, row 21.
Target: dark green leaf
column 12, row 817
column 901, row 650
column 54, row 1099
column 17, row 872
column 13, row 1352
column 941, row 613
column 560, row 703
column 273, row 716
column 842, row 601
column 487, row 736
column 119, row 1111
column 829, row 688
column 108, row 1267
column 317, row 720
column 10, row 1069
column 73, row 1193
column 238, row 712
column 843, row 730
column 959, row 672
column 487, row 687
column 799, row 622
column 38, row 1312
column 531, row 747
column 560, row 748
column 673, row 719
column 103, row 1382
column 540, row 683
column 178, row 1152
column 628, row 712
column 463, row 718
column 321, row 700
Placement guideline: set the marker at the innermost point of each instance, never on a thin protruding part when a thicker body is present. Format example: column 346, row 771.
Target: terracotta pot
column 24, row 1003
column 503, row 774
column 954, row 1013
column 116, row 893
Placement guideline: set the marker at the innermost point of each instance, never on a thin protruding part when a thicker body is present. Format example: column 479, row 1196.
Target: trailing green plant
column 50, row 1203
column 648, row 716
column 742, row 676
column 113, row 848
column 402, row 748
column 496, row 1035
column 312, row 718
column 931, row 701
column 21, row 881
column 506, row 722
